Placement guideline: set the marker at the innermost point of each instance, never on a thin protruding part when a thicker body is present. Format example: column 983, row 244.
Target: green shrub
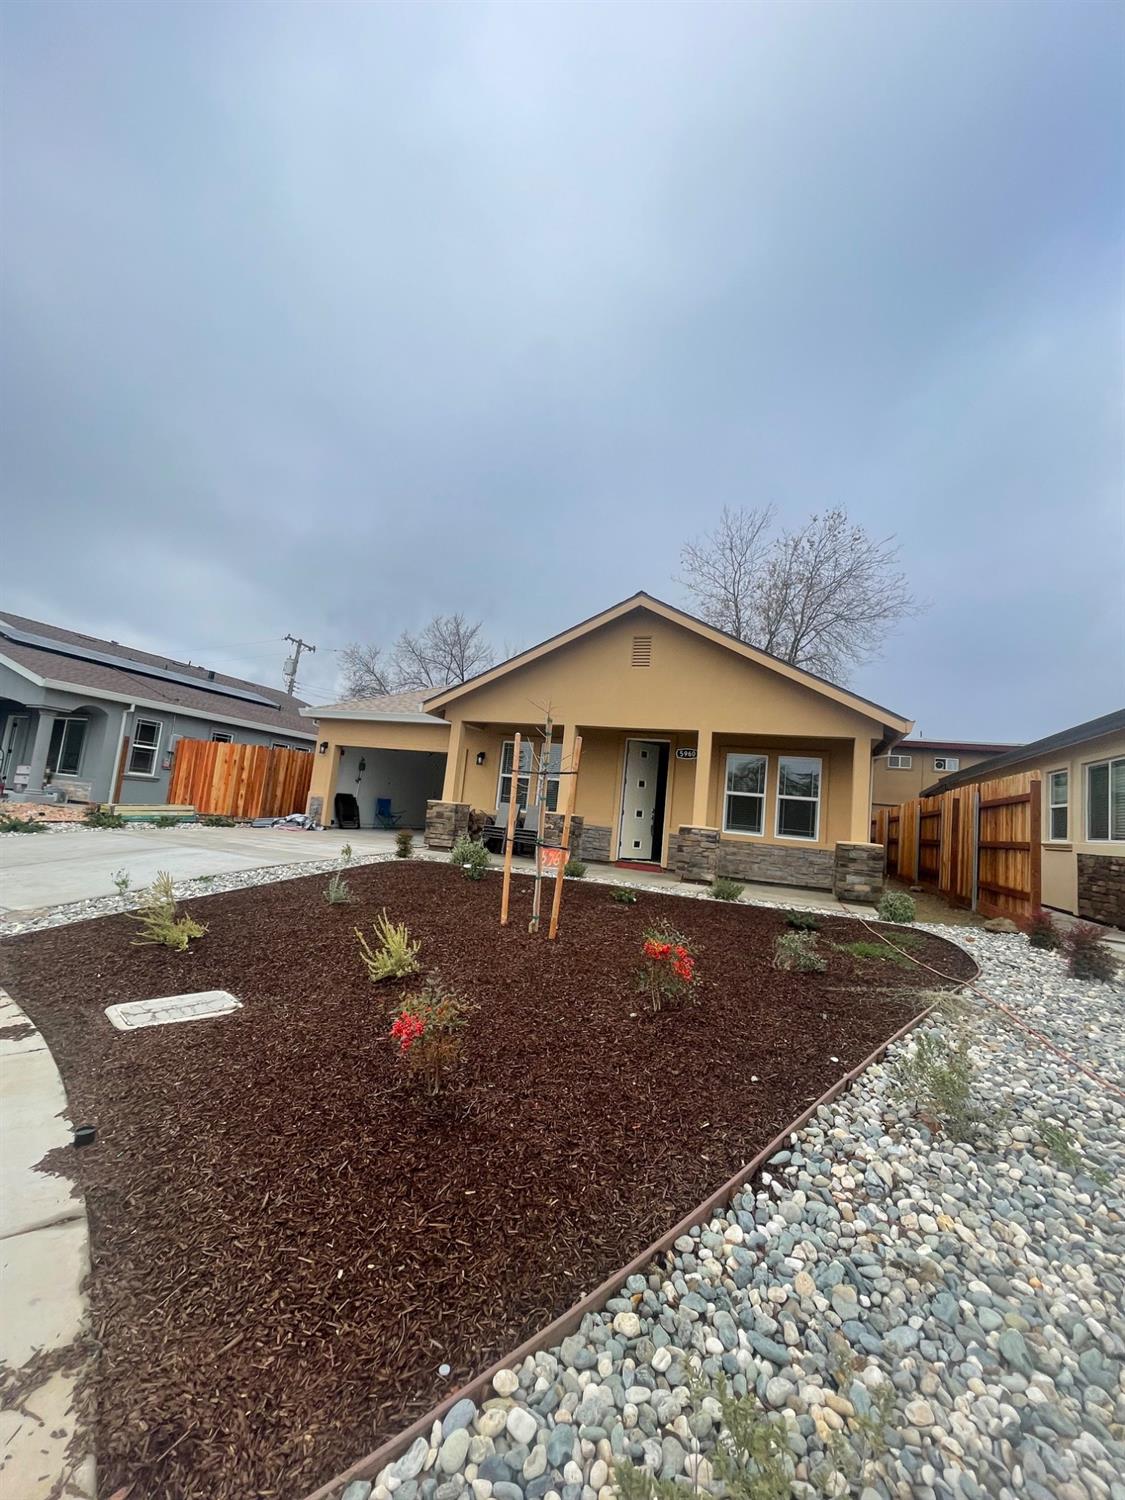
column 936, row 1075
column 798, row 952
column 471, row 855
column 337, row 892
column 625, row 895
column 878, row 951
column 723, row 889
column 897, row 906
column 121, row 880
column 9, row 824
column 575, row 868
column 1088, row 955
column 218, row 820
column 164, row 821
column 397, row 954
column 158, row 921
column 101, row 817
column 803, row 921
column 1042, row 930
column 404, row 844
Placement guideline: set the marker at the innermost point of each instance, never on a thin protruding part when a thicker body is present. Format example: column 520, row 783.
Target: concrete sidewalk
column 39, row 870
column 44, row 1258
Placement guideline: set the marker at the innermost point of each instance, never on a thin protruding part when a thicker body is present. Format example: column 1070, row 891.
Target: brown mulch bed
column 287, row 1242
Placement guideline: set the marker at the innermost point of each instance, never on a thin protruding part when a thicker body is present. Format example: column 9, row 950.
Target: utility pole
column 294, row 661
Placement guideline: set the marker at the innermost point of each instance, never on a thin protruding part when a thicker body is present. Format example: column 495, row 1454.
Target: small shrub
column 158, row 920
column 397, row 955
column 1042, row 931
column 404, row 844
column 575, row 868
column 897, row 906
column 121, row 880
column 471, row 855
column 337, row 892
column 10, row 824
column 667, row 972
column 803, row 921
column 428, row 1029
column 625, row 895
column 798, row 952
column 346, row 854
column 164, row 821
column 1061, row 1146
column 723, row 889
column 936, row 1075
column 879, row 951
column 101, row 817
column 1088, row 955
column 218, row 820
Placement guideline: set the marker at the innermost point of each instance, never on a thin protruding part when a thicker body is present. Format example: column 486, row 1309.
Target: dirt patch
column 287, row 1242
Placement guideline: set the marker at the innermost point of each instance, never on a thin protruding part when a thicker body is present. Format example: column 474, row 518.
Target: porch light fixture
column 322, row 748
column 480, row 757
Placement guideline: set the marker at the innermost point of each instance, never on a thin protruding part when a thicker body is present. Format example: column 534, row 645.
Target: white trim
column 762, row 796
column 645, row 739
column 1052, row 836
column 949, row 764
column 154, row 747
column 1093, row 765
column 799, row 838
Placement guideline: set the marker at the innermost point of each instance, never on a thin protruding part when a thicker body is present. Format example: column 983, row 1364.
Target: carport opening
column 407, row 779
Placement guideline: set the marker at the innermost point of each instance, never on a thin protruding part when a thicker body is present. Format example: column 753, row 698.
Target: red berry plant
column 667, row 972
column 427, row 1032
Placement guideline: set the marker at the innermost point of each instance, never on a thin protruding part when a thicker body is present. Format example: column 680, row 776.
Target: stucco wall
column 889, row 788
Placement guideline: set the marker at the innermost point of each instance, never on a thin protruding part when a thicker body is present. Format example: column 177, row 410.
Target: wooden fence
column 977, row 846
column 240, row 781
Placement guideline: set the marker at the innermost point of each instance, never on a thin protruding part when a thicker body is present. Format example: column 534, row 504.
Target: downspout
column 118, row 768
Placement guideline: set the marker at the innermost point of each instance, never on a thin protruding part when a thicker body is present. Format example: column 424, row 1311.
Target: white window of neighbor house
column 798, row 796
column 744, row 808
column 64, row 753
column 899, row 762
column 1105, row 800
column 145, row 747
column 219, row 738
column 947, row 763
column 1058, row 805
column 529, row 753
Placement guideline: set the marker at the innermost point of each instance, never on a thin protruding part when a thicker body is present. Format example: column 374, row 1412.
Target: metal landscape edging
column 568, row 1322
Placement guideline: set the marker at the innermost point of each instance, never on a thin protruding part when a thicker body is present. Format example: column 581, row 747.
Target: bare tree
column 822, row 596
column 723, row 570
column 449, row 649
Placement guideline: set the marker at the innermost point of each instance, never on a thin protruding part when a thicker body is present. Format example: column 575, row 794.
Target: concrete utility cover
column 168, row 1008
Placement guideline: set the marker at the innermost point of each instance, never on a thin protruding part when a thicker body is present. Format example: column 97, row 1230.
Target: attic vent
column 642, row 651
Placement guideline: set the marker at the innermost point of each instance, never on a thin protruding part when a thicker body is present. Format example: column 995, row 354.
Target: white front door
column 638, row 800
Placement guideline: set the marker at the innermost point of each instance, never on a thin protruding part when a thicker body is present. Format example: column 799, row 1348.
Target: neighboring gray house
column 102, row 720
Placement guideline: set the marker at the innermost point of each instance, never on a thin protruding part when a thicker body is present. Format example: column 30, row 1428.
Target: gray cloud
column 321, row 318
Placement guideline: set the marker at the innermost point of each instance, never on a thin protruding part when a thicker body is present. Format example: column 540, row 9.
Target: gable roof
column 640, row 600
column 407, row 705
column 52, row 657
column 1078, row 734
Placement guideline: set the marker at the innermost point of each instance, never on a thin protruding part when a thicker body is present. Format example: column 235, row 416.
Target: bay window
column 798, row 796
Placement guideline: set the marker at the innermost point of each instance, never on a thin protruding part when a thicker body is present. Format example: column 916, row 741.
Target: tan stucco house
column 700, row 754
column 902, row 772
column 1081, row 771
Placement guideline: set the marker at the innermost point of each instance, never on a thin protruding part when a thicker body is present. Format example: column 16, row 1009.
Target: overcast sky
column 320, row 318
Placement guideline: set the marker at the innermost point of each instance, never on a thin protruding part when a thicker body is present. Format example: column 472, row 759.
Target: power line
column 290, row 669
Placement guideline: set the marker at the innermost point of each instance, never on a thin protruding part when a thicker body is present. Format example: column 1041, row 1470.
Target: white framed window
column 64, row 753
column 899, row 762
column 1105, row 800
column 529, row 749
column 1058, row 805
column 145, row 747
column 219, row 738
column 947, row 763
column 798, row 796
column 744, row 802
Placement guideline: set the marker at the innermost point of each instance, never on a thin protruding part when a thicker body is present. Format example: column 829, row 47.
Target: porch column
column 701, row 804
column 44, row 724
column 569, row 789
column 861, row 790
column 322, row 786
column 454, row 763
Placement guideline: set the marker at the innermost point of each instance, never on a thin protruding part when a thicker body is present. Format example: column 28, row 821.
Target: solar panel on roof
column 126, row 664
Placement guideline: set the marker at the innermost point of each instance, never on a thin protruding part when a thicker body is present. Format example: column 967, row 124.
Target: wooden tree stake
column 556, row 900
column 513, row 809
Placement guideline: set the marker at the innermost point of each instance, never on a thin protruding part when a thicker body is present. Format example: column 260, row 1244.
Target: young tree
column 447, row 650
column 821, row 596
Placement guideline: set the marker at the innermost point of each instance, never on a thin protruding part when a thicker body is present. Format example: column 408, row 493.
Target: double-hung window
column 145, row 748
column 530, row 751
column 798, row 796
column 219, row 737
column 1058, row 805
column 1105, row 800
column 64, row 753
column 745, row 802
column 899, row 762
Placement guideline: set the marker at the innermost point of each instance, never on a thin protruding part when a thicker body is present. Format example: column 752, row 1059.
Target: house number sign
column 686, row 754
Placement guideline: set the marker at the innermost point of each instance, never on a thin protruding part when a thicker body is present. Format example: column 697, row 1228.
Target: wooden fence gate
column 978, row 846
column 240, row 781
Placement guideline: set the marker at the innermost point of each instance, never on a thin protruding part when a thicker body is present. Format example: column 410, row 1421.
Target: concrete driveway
column 39, row 870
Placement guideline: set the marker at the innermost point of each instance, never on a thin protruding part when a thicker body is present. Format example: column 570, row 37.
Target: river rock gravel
column 930, row 1318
